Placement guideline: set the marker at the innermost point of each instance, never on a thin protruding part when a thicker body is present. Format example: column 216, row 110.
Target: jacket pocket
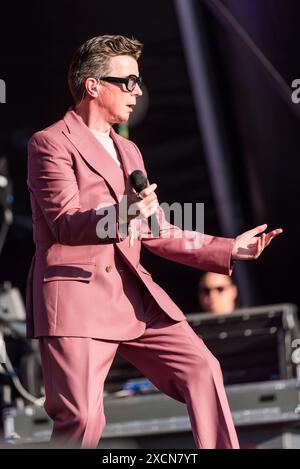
column 83, row 272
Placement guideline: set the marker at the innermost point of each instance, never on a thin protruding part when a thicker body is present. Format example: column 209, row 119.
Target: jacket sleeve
column 192, row 248
column 53, row 185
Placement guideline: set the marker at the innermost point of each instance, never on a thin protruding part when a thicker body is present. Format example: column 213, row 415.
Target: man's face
column 115, row 102
column 217, row 294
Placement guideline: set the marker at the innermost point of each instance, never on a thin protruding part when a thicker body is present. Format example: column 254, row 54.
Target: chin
column 118, row 119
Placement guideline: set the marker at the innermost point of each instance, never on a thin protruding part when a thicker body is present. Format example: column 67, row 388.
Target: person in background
column 217, row 293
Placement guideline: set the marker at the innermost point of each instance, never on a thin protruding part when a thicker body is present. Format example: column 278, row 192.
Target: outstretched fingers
column 272, row 234
column 258, row 229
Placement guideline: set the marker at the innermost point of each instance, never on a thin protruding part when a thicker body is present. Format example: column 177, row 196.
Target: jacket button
column 108, row 268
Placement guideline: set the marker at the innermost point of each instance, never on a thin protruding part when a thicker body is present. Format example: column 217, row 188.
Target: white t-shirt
column 108, row 143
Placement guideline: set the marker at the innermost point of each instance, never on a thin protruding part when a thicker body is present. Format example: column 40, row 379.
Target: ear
column 91, row 86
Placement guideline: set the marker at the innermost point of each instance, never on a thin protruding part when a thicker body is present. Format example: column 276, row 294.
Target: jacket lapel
column 95, row 154
column 129, row 156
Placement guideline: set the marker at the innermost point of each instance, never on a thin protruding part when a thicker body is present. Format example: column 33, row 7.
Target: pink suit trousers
column 169, row 353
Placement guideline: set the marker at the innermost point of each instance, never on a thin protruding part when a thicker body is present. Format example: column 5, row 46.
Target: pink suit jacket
column 80, row 284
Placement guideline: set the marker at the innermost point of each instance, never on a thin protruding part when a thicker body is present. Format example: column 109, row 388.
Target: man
column 88, row 295
column 217, row 293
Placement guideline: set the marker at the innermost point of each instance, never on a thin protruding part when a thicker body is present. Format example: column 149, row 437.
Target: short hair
column 202, row 276
column 92, row 59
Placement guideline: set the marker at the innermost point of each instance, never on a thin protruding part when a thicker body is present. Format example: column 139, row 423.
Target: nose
column 137, row 90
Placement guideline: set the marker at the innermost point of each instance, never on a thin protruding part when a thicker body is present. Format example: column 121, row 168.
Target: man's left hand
column 250, row 245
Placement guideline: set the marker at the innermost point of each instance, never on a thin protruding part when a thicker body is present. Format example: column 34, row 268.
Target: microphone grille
column 138, row 180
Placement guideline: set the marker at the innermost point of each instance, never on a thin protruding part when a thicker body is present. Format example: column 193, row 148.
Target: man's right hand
column 134, row 205
column 146, row 205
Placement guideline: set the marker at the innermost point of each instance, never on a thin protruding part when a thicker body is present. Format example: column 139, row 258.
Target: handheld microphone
column 139, row 182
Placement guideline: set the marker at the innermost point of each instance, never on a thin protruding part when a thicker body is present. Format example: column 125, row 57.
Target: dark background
column 37, row 40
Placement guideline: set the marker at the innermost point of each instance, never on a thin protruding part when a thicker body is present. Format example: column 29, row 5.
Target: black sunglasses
column 131, row 81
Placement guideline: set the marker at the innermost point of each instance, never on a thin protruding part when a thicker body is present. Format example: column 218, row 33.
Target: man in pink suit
column 88, row 296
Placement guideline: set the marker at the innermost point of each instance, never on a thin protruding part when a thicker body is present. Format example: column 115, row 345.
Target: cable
column 38, row 401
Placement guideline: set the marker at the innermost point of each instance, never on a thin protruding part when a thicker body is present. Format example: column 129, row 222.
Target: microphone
column 139, row 182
